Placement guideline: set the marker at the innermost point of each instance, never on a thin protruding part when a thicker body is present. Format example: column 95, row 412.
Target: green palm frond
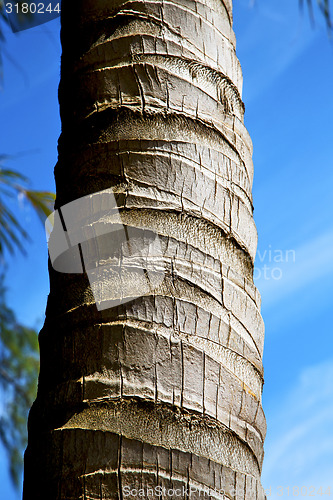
column 41, row 201
column 324, row 7
column 19, row 362
column 4, row 19
column 14, row 184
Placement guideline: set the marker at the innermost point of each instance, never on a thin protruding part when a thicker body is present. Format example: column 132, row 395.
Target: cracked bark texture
column 164, row 390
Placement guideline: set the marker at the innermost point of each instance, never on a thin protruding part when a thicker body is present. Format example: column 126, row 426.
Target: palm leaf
column 18, row 378
column 11, row 232
column 324, row 7
column 13, row 183
column 41, row 201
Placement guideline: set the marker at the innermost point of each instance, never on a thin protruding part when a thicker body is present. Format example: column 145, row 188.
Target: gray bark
column 164, row 390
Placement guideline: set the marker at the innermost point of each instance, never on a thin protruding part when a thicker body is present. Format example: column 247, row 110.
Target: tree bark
column 163, row 391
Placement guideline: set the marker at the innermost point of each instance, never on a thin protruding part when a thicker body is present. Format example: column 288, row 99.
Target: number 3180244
column 32, row 8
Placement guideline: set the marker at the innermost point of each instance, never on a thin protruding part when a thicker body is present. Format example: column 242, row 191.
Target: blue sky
column 288, row 82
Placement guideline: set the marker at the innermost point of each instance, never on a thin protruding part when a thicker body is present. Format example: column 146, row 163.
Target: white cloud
column 300, row 439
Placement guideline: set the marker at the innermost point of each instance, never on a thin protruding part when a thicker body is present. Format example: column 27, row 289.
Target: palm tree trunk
column 163, row 391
